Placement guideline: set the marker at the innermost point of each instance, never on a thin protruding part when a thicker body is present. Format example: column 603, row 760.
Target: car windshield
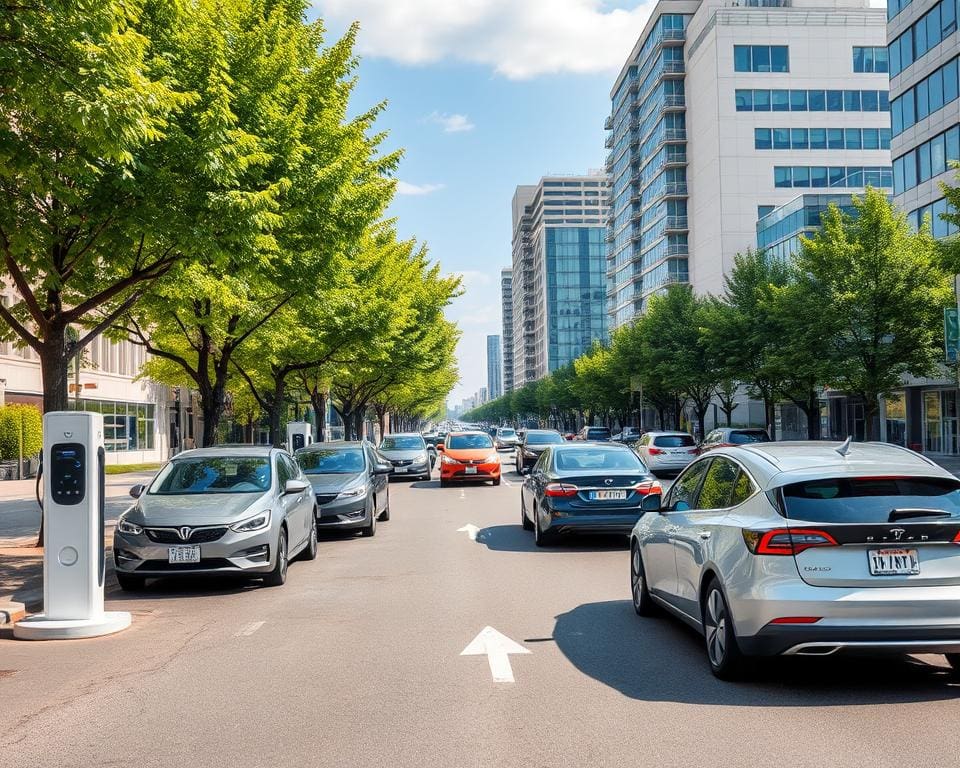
column 595, row 433
column 673, row 441
column 507, row 433
column 466, row 442
column 213, row 474
column 544, row 438
column 402, row 443
column 754, row 436
column 331, row 461
column 598, row 458
column 870, row 499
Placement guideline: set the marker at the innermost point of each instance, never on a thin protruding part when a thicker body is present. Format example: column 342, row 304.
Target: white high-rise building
column 725, row 110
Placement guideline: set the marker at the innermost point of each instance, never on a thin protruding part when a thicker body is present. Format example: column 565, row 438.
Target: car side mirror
column 295, row 486
column 652, row 502
column 137, row 490
column 382, row 469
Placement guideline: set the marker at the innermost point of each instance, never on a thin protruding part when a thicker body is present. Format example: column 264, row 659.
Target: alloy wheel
column 715, row 625
column 636, row 577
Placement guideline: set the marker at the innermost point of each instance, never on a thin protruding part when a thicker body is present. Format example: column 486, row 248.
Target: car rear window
column 507, row 433
column 673, row 441
column 585, row 459
column 872, row 499
column 544, row 438
column 742, row 437
column 597, row 433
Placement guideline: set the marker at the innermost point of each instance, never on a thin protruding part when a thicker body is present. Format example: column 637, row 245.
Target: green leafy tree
column 875, row 290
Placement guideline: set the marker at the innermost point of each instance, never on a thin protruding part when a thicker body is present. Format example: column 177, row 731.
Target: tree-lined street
column 357, row 661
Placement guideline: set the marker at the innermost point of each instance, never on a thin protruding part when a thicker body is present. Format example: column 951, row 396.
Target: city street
column 357, row 661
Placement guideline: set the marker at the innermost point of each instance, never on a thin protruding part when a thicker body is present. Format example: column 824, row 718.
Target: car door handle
column 704, row 535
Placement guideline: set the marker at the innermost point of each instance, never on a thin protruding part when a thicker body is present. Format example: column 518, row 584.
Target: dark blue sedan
column 585, row 488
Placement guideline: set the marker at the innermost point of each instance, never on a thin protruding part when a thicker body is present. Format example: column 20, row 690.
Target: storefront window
column 126, row 426
column 932, row 436
column 895, row 414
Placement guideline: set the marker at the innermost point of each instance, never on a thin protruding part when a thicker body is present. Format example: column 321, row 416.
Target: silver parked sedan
column 666, row 452
column 246, row 510
column 805, row 549
column 409, row 455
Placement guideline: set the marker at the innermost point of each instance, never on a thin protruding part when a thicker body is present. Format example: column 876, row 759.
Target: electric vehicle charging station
column 299, row 435
column 73, row 517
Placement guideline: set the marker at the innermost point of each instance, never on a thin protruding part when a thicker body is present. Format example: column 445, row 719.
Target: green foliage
column 21, row 431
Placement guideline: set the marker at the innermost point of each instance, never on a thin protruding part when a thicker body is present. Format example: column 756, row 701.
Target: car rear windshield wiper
column 904, row 514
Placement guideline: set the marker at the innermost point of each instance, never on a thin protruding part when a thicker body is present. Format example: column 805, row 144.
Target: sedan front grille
column 206, row 564
column 402, row 462
column 197, row 535
column 325, row 498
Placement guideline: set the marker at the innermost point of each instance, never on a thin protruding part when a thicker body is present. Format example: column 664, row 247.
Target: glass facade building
column 494, row 368
column 780, row 230
column 647, row 225
column 506, row 309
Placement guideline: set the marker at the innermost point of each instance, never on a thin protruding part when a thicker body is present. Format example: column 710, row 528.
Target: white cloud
column 519, row 39
column 451, row 123
column 405, row 188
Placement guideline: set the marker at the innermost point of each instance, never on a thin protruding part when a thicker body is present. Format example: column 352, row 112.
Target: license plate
column 183, row 554
column 399, row 469
column 470, row 471
column 607, row 495
column 894, row 562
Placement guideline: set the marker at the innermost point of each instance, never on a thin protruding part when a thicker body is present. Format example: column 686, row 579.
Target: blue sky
column 484, row 95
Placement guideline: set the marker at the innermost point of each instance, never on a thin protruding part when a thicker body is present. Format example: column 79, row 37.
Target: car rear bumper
column 593, row 523
column 812, row 640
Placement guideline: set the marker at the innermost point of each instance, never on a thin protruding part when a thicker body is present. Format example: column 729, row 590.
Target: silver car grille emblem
column 185, row 533
column 897, row 533
column 608, row 481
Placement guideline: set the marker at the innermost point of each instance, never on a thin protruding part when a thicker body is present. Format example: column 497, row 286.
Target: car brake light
column 797, row 620
column 956, row 539
column 648, row 486
column 786, row 541
column 560, row 490
column 694, row 451
column 655, row 451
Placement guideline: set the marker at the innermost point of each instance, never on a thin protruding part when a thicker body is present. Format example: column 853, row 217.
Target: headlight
column 127, row 527
column 492, row 459
column 352, row 493
column 257, row 523
column 530, row 454
column 447, row 460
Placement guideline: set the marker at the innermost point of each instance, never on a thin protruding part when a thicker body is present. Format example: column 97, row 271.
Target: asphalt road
column 356, row 662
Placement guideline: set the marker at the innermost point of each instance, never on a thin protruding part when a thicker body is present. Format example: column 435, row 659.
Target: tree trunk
column 358, row 415
column 275, row 410
column 212, row 405
column 54, row 368
column 702, row 421
column 871, row 412
column 318, row 400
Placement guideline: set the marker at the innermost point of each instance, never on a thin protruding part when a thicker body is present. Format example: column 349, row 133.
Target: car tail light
column 561, row 490
column 786, row 541
column 694, row 451
column 797, row 620
column 655, row 451
column 648, row 486
column 956, row 539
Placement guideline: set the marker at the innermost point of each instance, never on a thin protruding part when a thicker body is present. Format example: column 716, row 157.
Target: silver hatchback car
column 805, row 548
column 247, row 510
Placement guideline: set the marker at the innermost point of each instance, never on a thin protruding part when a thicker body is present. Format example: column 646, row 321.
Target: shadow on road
column 660, row 659
column 174, row 588
column 425, row 484
column 512, row 538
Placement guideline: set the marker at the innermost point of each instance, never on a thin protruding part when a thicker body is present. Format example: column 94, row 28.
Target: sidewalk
column 21, row 563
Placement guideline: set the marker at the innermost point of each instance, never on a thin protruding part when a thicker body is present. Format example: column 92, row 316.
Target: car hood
column 334, row 483
column 403, row 455
column 195, row 509
column 471, row 454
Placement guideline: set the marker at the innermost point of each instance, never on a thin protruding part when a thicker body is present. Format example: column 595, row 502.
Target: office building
column 506, row 309
column 723, row 111
column 494, row 368
column 925, row 121
column 559, row 264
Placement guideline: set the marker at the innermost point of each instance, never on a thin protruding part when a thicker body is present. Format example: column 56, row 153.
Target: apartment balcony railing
column 609, row 142
column 678, row 249
column 674, row 189
column 674, row 134
column 676, row 223
column 673, row 67
column 676, row 34
column 674, row 100
column 608, row 123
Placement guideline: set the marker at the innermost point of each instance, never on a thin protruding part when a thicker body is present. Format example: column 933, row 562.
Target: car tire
column 310, row 551
column 444, row 483
column 370, row 529
column 278, row 576
column 540, row 538
column 524, row 520
column 953, row 659
column 385, row 515
column 725, row 657
column 130, row 582
column 642, row 602
column 496, row 481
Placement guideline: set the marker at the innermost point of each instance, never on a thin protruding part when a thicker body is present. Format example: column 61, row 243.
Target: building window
column 836, row 176
column 869, row 58
column 781, row 100
column 929, row 95
column 927, row 160
column 761, row 58
column 761, row 138
column 126, row 426
column 821, row 138
column 928, row 31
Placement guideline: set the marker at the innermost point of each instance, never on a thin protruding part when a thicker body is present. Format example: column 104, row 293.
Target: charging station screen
column 297, row 442
column 67, row 473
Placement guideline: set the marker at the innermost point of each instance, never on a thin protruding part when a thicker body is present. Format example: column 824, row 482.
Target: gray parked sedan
column 351, row 482
column 408, row 454
column 242, row 510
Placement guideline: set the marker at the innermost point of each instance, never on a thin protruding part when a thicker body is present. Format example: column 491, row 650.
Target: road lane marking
column 249, row 629
column 507, row 482
column 471, row 531
column 463, row 493
column 497, row 648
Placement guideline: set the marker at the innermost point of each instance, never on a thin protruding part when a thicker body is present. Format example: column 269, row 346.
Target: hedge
column 15, row 419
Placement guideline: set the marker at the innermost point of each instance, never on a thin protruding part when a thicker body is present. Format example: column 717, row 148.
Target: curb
column 11, row 612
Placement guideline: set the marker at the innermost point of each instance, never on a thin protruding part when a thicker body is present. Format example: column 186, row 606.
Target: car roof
column 542, row 432
column 333, row 444
column 780, row 463
column 402, row 434
column 251, row 451
column 592, row 444
column 467, row 432
column 665, row 433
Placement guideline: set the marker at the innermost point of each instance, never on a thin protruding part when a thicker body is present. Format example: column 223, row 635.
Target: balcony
column 671, row 100
column 674, row 189
column 673, row 67
column 676, row 224
column 678, row 249
column 608, row 123
column 674, row 34
column 675, row 158
column 608, row 143
column 674, row 134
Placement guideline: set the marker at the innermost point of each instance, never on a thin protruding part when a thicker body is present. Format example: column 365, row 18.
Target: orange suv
column 468, row 456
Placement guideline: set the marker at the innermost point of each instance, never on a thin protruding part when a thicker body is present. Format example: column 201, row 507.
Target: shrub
column 14, row 421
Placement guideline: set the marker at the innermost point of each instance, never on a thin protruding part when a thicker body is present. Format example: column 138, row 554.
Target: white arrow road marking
column 496, row 647
column 463, row 493
column 249, row 629
column 471, row 531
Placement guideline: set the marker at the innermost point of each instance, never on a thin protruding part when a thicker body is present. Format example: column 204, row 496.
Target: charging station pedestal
column 299, row 435
column 73, row 553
